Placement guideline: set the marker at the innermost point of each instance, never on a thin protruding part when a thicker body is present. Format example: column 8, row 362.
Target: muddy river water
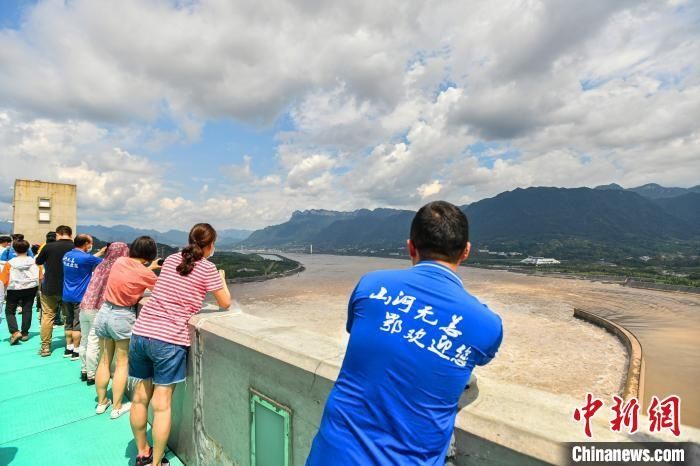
column 544, row 346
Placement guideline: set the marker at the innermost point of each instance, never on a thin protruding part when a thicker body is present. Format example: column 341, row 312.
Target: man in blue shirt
column 9, row 252
column 415, row 336
column 77, row 271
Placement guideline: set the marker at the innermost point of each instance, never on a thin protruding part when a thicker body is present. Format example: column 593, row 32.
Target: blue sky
column 165, row 113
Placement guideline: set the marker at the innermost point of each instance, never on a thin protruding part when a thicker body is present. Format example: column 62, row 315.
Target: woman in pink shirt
column 127, row 282
column 161, row 339
column 89, row 307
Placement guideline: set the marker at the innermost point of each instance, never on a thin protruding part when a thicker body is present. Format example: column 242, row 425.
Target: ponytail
column 201, row 236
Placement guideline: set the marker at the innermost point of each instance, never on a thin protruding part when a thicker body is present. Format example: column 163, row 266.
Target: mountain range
column 652, row 190
column 605, row 221
column 227, row 237
column 568, row 222
column 126, row 233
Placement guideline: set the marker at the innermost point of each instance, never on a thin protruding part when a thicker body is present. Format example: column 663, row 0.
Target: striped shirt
column 175, row 299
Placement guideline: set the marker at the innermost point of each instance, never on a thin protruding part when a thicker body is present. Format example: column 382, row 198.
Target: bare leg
column 162, row 418
column 121, row 372
column 103, row 369
column 143, row 391
column 75, row 334
column 69, row 337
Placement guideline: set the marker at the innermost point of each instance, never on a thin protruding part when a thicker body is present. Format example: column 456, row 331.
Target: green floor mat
column 47, row 416
column 97, row 441
column 36, row 379
column 44, row 410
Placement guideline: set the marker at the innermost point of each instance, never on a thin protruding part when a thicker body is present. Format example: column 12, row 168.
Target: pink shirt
column 127, row 281
column 175, row 299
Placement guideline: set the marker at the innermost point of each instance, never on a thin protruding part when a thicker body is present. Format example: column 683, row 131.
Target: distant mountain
column 655, row 191
column 685, row 207
column 611, row 186
column 613, row 219
column 127, row 234
column 651, row 190
column 335, row 230
column 548, row 213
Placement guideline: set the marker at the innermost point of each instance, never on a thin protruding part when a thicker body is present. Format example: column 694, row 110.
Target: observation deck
column 47, row 415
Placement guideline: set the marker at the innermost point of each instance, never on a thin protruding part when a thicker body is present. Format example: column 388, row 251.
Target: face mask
column 212, row 252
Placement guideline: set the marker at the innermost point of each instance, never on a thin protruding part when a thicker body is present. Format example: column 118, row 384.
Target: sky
column 171, row 112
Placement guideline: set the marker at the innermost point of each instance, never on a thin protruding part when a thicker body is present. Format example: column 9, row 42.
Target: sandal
column 144, row 460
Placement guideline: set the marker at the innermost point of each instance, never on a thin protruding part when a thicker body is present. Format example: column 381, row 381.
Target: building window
column 44, row 203
column 44, row 217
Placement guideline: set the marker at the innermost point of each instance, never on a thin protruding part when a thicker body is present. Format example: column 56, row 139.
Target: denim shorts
column 114, row 321
column 165, row 363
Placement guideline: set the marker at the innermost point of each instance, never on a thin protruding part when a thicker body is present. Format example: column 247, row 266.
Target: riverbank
column 262, row 278
column 253, row 267
column 622, row 280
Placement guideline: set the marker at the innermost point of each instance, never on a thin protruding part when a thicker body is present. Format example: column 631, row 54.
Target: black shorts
column 71, row 315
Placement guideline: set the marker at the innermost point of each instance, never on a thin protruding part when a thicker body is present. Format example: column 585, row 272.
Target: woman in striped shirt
column 160, row 337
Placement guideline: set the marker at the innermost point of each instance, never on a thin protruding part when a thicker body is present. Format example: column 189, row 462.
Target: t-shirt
column 127, row 281
column 175, row 299
column 51, row 257
column 415, row 336
column 10, row 253
column 77, row 270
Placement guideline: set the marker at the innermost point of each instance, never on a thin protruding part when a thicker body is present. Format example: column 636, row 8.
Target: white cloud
column 391, row 103
column 310, row 172
column 429, row 190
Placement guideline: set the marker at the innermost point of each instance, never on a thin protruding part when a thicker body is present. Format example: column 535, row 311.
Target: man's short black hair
column 17, row 236
column 21, row 246
column 64, row 230
column 440, row 231
column 5, row 239
column 143, row 247
column 51, row 237
column 82, row 240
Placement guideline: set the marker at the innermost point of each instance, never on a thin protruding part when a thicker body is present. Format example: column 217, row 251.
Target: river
column 544, row 346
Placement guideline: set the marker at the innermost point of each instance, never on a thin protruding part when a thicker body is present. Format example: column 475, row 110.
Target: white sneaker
column 102, row 408
column 118, row 412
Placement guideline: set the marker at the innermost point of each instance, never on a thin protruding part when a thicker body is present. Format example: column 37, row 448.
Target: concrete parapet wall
column 498, row 423
column 634, row 383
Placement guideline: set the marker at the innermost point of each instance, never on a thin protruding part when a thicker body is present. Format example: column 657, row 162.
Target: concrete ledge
column 498, row 423
column 634, row 384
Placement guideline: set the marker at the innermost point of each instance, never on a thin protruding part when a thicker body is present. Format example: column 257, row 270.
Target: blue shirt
column 77, row 271
column 9, row 253
column 415, row 336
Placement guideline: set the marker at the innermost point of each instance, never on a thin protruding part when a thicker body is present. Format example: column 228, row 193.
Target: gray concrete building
column 40, row 206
